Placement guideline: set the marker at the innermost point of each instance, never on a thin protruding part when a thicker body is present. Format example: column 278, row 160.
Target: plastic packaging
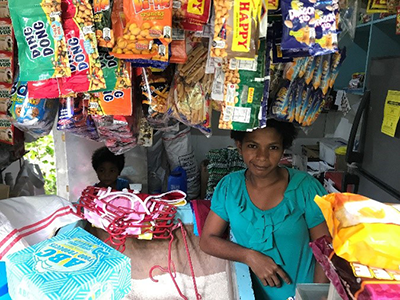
column 363, row 230
column 155, row 184
column 177, row 180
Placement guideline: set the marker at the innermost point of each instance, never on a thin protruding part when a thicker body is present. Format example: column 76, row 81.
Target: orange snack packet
column 137, row 23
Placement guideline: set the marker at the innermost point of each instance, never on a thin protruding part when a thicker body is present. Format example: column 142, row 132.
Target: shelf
column 359, row 92
column 364, row 25
column 386, row 19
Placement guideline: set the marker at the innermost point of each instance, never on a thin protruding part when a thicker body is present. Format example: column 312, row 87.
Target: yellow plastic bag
column 363, row 230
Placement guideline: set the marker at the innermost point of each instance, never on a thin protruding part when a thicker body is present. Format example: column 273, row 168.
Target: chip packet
column 34, row 116
column 298, row 36
column 73, row 117
column 326, row 33
column 102, row 20
column 42, row 48
column 6, row 67
column 117, row 73
column 365, row 231
column 137, row 24
column 236, row 29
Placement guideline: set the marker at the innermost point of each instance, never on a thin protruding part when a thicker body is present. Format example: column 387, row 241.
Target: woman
column 271, row 212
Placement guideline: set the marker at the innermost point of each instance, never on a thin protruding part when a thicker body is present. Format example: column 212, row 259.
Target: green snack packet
column 42, row 50
column 116, row 73
column 244, row 93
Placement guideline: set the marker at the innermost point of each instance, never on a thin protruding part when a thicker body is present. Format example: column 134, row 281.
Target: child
column 271, row 212
column 108, row 167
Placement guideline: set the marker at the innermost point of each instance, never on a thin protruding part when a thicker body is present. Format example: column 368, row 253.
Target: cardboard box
column 311, row 151
column 75, row 265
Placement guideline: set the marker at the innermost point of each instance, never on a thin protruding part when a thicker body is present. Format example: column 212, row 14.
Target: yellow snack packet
column 363, row 230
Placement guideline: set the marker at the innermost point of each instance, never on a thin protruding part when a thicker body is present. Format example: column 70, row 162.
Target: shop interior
column 164, row 87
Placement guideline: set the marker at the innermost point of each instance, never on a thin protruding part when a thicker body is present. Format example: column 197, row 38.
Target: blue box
column 75, row 265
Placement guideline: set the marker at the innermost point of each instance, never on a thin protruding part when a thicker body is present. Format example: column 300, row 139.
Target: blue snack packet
column 34, row 116
column 326, row 40
column 298, row 36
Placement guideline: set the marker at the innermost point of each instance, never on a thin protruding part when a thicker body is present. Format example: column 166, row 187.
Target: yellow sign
column 391, row 113
column 243, row 10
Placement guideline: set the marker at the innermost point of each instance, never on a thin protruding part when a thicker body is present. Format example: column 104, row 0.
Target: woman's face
column 107, row 173
column 262, row 150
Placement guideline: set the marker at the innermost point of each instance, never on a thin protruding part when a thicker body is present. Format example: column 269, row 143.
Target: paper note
column 391, row 113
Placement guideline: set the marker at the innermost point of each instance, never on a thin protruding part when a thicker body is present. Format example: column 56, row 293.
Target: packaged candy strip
column 42, row 48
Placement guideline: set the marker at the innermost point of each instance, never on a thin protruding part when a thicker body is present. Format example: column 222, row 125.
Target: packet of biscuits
column 298, row 36
column 188, row 100
column 42, row 48
column 236, row 29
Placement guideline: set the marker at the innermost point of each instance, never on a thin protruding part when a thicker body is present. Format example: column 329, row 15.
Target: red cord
column 171, row 270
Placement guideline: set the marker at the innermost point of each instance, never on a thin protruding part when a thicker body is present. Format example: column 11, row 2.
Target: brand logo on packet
column 303, row 14
column 77, row 58
column 109, row 96
column 38, row 40
column 242, row 26
column 108, row 61
column 5, row 30
column 196, row 7
column 68, row 256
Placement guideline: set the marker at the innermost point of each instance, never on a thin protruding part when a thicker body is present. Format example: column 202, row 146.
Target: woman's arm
column 315, row 233
column 212, row 243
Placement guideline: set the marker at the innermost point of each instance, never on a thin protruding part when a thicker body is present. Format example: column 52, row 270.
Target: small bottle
column 155, row 184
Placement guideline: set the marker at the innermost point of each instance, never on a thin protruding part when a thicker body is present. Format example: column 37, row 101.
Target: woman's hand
column 266, row 269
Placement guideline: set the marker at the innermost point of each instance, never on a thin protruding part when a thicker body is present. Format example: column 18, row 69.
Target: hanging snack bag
column 191, row 87
column 120, row 133
column 298, row 35
column 138, row 24
column 117, row 73
column 102, row 20
column 35, row 116
column 4, row 11
column 86, row 72
column 9, row 134
column 73, row 117
column 244, row 88
column 6, row 36
column 158, row 60
column 42, row 49
column 117, row 102
column 154, row 89
column 326, row 39
column 4, row 97
column 280, row 105
column 6, row 67
column 197, row 11
column 236, row 29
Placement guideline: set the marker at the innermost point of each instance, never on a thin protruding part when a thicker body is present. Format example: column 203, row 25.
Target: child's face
column 107, row 173
column 262, row 150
